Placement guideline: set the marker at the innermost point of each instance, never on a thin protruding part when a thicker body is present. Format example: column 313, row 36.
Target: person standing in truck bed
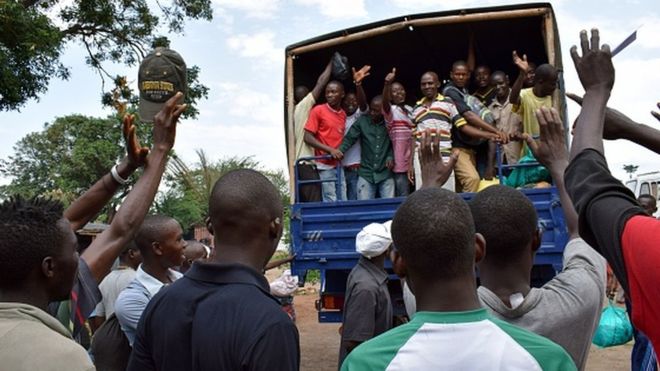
column 324, row 132
column 527, row 101
column 305, row 101
column 399, row 126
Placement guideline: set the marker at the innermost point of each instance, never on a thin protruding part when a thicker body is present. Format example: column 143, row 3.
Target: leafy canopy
column 33, row 34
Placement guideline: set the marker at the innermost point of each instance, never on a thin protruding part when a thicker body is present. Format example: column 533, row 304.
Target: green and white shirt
column 470, row 340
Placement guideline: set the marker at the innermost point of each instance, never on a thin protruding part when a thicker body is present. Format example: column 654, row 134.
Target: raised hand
column 521, row 63
column 435, row 172
column 594, row 67
column 389, row 78
column 550, row 150
column 360, row 74
column 136, row 154
column 165, row 122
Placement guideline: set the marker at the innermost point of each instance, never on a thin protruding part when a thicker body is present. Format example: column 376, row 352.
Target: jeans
column 367, row 191
column 329, row 188
column 401, row 185
column 351, row 183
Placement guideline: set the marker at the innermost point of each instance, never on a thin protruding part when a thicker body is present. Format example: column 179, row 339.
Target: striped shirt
column 400, row 126
column 470, row 340
column 441, row 115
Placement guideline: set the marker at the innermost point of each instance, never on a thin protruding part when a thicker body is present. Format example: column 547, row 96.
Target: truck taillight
column 332, row 302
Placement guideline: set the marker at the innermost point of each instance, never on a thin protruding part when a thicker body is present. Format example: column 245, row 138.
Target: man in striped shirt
column 436, row 248
column 434, row 111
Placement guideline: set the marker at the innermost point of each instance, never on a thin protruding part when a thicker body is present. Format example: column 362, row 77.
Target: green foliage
column 189, row 187
column 64, row 159
column 112, row 31
column 30, row 48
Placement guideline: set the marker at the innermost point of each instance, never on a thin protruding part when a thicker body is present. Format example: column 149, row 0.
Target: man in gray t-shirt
column 566, row 309
column 367, row 305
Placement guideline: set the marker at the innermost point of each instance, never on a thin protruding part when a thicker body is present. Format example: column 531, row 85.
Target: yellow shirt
column 300, row 115
column 529, row 103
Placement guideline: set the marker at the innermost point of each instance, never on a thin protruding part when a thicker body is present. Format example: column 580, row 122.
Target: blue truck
column 323, row 234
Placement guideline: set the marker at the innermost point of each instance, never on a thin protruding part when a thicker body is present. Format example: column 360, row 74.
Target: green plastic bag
column 614, row 327
column 527, row 175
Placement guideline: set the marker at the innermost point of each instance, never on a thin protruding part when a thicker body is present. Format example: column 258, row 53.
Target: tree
column 64, row 159
column 111, row 31
column 630, row 169
column 189, row 187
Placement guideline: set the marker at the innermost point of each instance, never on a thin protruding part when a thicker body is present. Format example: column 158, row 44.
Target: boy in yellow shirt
column 527, row 101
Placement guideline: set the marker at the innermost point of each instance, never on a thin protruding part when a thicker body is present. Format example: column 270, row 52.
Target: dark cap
column 161, row 75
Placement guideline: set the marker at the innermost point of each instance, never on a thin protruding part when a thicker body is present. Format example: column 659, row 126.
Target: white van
column 646, row 183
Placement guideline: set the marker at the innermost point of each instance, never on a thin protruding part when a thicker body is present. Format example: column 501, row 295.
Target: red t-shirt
column 327, row 126
column 640, row 243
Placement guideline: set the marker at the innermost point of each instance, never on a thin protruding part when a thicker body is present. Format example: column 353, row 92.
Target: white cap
column 374, row 239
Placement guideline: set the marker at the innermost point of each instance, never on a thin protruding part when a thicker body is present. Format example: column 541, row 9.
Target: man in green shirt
column 377, row 157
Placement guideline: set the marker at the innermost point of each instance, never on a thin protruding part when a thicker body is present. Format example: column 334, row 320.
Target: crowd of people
column 177, row 305
column 360, row 149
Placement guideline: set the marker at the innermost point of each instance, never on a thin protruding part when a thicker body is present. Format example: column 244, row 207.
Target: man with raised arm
column 324, row 131
column 304, row 102
column 399, row 127
column 610, row 219
column 566, row 309
column 97, row 260
column 527, row 101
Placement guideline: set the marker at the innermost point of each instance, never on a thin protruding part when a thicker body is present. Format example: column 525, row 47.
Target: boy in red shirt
column 324, row 131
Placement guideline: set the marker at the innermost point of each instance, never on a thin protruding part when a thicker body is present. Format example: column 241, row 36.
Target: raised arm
column 551, row 151
column 471, row 57
column 596, row 74
column 387, row 91
column 435, row 172
column 108, row 245
column 85, row 207
column 619, row 126
column 322, row 81
column 358, row 76
column 523, row 67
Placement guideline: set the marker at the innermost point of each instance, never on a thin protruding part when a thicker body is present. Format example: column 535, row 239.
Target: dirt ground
column 319, row 342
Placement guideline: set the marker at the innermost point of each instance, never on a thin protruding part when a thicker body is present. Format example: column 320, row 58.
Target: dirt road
column 319, row 342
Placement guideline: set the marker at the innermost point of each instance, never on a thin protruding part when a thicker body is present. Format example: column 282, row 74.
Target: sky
column 241, row 56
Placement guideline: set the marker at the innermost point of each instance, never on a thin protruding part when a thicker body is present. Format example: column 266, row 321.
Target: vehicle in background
column 323, row 234
column 645, row 184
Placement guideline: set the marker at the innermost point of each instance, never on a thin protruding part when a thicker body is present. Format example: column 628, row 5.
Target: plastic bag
column 614, row 327
column 284, row 285
column 527, row 175
column 340, row 69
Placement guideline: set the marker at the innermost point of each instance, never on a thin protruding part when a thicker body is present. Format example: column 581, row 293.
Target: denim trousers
column 368, row 191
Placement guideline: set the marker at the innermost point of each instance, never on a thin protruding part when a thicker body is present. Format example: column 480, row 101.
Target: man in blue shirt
column 221, row 313
column 161, row 243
